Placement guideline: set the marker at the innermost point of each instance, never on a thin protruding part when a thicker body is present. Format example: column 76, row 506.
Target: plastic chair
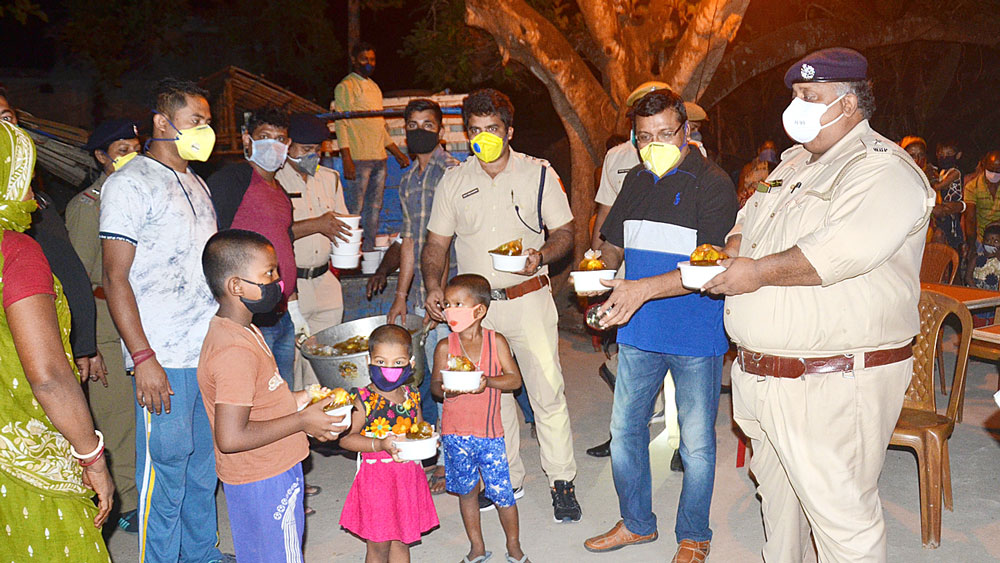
column 920, row 427
column 934, row 269
column 934, row 264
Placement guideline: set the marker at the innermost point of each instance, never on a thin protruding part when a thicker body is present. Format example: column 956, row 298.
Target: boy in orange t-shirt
column 258, row 424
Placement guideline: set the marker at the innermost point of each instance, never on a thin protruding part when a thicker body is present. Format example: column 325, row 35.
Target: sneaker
column 226, row 558
column 564, row 504
column 129, row 522
column 485, row 504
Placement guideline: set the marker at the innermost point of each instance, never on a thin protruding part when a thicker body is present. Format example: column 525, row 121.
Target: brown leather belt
column 99, row 292
column 521, row 289
column 782, row 366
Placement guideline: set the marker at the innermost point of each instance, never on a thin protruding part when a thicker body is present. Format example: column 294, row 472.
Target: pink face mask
column 460, row 318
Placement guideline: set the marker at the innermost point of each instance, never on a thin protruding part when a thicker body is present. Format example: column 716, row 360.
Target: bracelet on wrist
column 97, row 450
column 142, row 356
column 99, row 455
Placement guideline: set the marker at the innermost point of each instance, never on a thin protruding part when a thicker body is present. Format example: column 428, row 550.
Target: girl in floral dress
column 389, row 504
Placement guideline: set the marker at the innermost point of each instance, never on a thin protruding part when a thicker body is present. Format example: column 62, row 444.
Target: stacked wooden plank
column 59, row 148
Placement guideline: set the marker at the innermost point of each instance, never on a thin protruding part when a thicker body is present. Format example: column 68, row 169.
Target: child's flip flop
column 512, row 560
column 481, row 559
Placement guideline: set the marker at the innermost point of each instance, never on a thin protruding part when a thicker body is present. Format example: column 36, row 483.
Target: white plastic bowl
column 504, row 263
column 383, row 240
column 460, row 380
column 352, row 221
column 346, row 248
column 695, row 277
column 344, row 410
column 589, row 281
column 354, row 236
column 345, row 262
column 417, row 450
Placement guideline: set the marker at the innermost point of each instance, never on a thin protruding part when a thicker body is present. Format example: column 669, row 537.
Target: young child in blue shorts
column 471, row 432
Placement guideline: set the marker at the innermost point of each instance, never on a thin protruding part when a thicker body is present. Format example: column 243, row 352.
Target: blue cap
column 110, row 131
column 837, row 64
column 307, row 129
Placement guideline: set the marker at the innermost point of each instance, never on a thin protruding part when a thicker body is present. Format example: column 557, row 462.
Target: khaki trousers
column 530, row 325
column 322, row 305
column 819, row 442
column 113, row 409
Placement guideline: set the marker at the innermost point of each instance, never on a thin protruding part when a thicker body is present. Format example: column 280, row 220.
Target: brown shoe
column 617, row 538
column 690, row 551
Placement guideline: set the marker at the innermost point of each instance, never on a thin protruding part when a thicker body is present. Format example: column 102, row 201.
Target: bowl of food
column 339, row 354
column 342, row 405
column 461, row 374
column 509, row 257
column 591, row 270
column 418, row 443
column 703, row 266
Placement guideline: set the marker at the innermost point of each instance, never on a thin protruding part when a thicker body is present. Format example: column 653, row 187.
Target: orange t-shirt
column 236, row 368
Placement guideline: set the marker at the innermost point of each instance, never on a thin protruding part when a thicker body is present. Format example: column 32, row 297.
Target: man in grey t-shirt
column 156, row 215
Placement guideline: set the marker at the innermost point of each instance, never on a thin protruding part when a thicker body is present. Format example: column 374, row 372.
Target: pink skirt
column 389, row 501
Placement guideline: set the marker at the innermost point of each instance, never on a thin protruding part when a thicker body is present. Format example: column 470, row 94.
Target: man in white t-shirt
column 156, row 215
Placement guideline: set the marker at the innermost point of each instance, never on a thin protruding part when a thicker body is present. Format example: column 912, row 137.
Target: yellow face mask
column 195, row 143
column 122, row 160
column 660, row 158
column 487, row 146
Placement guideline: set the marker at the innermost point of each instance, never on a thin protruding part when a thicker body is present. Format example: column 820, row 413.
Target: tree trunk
column 784, row 45
column 702, row 46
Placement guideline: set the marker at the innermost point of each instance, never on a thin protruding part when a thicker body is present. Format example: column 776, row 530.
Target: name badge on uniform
column 295, row 195
column 768, row 187
column 471, row 192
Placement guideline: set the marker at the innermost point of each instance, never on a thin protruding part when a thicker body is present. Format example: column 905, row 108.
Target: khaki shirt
column 83, row 217
column 617, row 162
column 480, row 212
column 312, row 198
column 367, row 137
column 864, row 235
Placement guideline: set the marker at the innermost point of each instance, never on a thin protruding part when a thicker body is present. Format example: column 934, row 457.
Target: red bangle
column 142, row 356
column 93, row 461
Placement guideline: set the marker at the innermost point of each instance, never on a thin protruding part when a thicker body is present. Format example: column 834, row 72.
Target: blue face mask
column 366, row 69
column 386, row 378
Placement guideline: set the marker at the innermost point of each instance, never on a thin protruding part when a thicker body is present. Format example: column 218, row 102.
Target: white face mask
column 992, row 177
column 989, row 249
column 802, row 119
column 269, row 154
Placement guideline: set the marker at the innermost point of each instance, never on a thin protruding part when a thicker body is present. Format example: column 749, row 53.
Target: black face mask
column 421, row 141
column 270, row 296
column 947, row 162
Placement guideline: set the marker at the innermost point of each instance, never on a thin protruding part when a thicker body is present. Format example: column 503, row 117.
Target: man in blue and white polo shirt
column 672, row 202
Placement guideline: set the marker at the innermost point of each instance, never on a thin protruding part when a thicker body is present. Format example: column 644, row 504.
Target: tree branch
column 752, row 58
column 697, row 55
column 532, row 40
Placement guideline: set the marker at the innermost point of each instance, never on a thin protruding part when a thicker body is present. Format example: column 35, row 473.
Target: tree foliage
column 22, row 11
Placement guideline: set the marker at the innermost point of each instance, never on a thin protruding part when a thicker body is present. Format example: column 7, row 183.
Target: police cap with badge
column 837, row 64
column 110, row 131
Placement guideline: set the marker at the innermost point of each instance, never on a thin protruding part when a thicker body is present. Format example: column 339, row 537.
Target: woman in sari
column 51, row 457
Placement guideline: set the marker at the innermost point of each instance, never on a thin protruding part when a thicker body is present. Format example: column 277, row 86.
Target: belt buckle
column 498, row 294
column 851, row 376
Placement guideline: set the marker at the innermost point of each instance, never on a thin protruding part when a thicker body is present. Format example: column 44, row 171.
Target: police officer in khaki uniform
column 113, row 143
column 317, row 200
column 494, row 197
column 822, row 301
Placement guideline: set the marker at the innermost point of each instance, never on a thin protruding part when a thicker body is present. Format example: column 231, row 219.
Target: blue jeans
column 697, row 381
column 363, row 195
column 175, row 473
column 280, row 338
column 521, row 395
